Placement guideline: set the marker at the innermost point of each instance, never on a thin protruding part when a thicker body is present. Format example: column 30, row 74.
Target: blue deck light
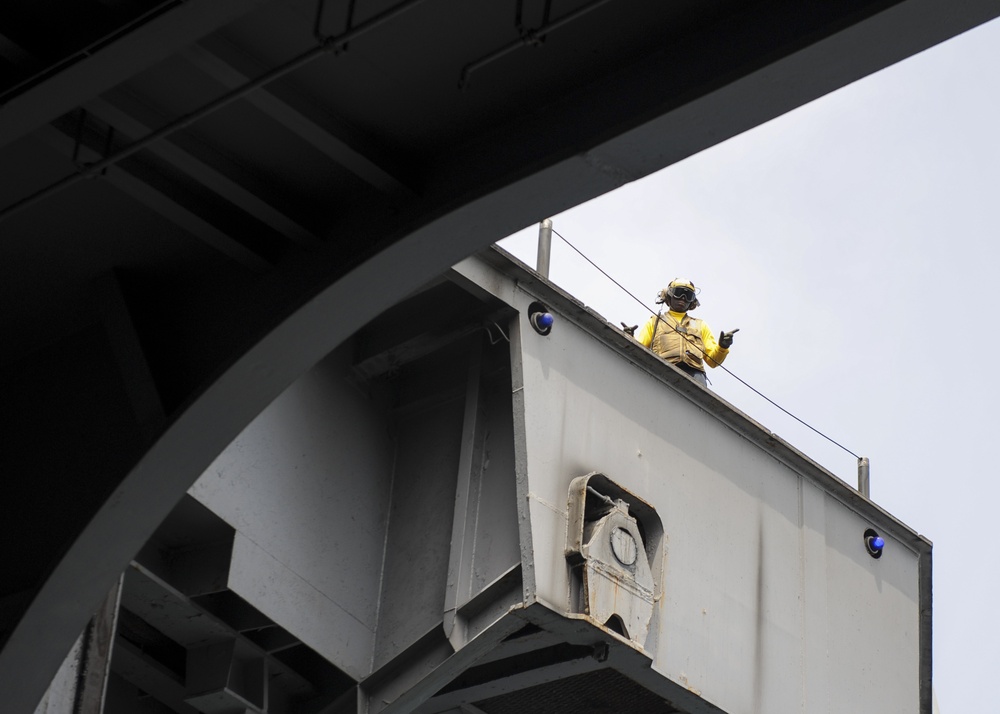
column 874, row 543
column 540, row 318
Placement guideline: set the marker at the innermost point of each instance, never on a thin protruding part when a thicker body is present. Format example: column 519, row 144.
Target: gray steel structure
column 431, row 520
column 202, row 199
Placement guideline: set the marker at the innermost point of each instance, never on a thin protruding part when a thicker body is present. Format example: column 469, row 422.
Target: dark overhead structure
column 201, row 199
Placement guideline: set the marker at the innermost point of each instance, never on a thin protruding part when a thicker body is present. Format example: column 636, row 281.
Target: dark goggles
column 682, row 294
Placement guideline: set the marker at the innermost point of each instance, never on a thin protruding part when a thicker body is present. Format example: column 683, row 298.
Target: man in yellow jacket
column 684, row 341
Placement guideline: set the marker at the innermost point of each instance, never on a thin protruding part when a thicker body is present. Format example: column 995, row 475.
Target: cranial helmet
column 680, row 288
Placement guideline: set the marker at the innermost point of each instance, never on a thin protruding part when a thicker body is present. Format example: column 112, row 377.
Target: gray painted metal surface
column 454, row 510
column 81, row 685
column 770, row 600
column 221, row 344
column 301, row 502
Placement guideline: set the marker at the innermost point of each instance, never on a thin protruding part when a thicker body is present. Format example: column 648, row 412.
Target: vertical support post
column 467, row 488
column 544, row 247
column 864, row 480
column 80, row 685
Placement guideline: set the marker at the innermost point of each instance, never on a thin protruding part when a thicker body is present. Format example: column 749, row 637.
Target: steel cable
column 721, row 366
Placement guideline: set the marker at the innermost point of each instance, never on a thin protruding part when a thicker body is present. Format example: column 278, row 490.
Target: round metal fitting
column 624, row 547
column 874, row 543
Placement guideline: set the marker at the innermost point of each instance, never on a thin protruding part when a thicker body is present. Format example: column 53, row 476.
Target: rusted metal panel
column 609, row 551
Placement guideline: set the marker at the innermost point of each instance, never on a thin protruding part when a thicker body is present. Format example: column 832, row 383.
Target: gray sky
column 854, row 242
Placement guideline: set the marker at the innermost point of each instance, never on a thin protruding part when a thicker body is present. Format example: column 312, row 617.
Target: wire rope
column 688, row 339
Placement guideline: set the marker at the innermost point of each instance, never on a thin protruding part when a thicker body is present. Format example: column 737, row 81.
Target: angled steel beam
column 112, row 65
column 375, row 364
column 140, row 669
column 228, row 188
column 239, row 92
column 520, row 645
column 166, row 206
column 331, row 136
column 137, row 378
column 510, row 683
column 15, row 54
column 186, row 219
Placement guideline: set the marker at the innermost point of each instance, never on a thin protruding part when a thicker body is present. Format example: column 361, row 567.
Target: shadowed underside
column 199, row 200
